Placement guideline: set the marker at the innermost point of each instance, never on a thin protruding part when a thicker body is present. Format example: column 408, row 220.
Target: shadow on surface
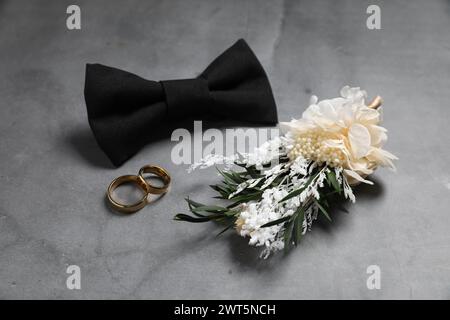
column 84, row 143
column 341, row 207
column 366, row 191
column 248, row 257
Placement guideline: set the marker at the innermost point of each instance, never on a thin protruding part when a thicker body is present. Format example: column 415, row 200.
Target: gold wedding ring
column 140, row 181
column 159, row 172
column 128, row 208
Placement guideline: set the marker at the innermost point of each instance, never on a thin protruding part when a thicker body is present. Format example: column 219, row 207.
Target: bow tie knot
column 187, row 92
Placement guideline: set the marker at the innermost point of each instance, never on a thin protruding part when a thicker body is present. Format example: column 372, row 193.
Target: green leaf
column 298, row 191
column 295, row 236
column 331, row 177
column 193, row 204
column 231, row 177
column 252, row 172
column 221, row 190
column 322, row 209
column 237, row 177
column 231, row 213
column 227, row 228
column 275, row 222
column 211, row 209
column 214, row 187
column 329, row 183
column 245, row 198
column 188, row 218
column 288, row 234
column 228, row 179
column 298, row 224
column 198, row 214
column 293, row 194
column 243, row 174
column 248, row 196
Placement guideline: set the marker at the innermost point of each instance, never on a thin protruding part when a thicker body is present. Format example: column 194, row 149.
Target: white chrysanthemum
column 341, row 132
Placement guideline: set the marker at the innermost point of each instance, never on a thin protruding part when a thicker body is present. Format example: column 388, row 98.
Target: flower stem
column 376, row 103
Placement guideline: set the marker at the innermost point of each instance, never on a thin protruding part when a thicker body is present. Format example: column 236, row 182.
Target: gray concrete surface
column 53, row 175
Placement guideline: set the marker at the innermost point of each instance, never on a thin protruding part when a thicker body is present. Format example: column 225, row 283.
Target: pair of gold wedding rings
column 143, row 184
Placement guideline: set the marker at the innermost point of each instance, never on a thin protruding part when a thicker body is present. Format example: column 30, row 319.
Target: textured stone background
column 53, row 175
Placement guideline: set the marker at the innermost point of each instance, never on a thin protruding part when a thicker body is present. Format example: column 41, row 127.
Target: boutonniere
column 278, row 191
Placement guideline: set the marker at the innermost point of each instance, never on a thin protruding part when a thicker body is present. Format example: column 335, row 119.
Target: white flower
column 299, row 166
column 253, row 215
column 268, row 152
column 211, row 160
column 341, row 132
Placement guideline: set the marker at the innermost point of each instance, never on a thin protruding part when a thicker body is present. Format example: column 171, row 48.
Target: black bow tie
column 126, row 111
